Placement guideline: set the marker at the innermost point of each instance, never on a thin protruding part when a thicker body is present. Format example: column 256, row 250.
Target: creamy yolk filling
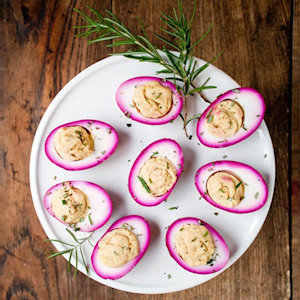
column 69, row 204
column 225, row 189
column 152, row 100
column 159, row 174
column 194, row 244
column 118, row 247
column 225, row 119
column 73, row 143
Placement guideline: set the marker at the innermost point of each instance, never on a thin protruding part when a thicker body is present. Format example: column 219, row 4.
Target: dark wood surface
column 39, row 55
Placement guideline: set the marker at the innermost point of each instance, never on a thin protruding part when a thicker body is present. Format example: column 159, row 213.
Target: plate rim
column 39, row 207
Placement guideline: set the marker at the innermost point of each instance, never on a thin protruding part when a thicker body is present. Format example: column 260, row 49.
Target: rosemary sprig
column 72, row 250
column 182, row 67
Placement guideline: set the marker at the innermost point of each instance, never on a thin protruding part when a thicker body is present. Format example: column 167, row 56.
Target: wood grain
column 39, row 55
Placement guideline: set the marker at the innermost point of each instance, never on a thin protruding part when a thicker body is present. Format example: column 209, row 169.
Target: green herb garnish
column 154, row 153
column 90, row 219
column 194, row 239
column 159, row 94
column 143, row 182
column 174, row 207
column 169, row 276
column 205, row 234
column 220, row 190
column 256, row 195
column 64, row 217
column 238, row 184
column 64, row 202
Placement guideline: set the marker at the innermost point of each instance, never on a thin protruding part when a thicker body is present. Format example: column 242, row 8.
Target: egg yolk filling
column 159, row 175
column 118, row 247
column 152, row 99
column 225, row 189
column 73, row 143
column 225, row 119
column 69, row 204
column 194, row 244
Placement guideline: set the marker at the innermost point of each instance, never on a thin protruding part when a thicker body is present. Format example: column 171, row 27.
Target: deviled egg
column 81, row 144
column 122, row 246
column 196, row 246
column 155, row 172
column 149, row 100
column 232, row 186
column 231, row 118
column 81, row 205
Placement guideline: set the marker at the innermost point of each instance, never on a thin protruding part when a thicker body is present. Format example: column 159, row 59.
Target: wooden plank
column 39, row 55
column 295, row 153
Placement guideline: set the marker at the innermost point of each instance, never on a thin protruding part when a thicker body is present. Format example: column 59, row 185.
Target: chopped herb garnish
column 64, row 202
column 256, row 195
column 209, row 113
column 174, row 207
column 154, row 153
column 220, row 190
column 54, row 178
column 103, row 152
column 181, row 229
column 171, row 121
column 89, row 207
column 210, row 261
column 143, row 182
column 76, row 229
column 128, row 125
column 216, row 213
column 205, row 234
column 257, row 116
column 224, row 156
column 236, row 90
column 115, row 253
column 64, row 218
column 159, row 94
column 150, row 180
column 179, row 166
column 210, row 119
column 129, row 160
column 167, row 165
column 200, row 197
column 81, row 220
column 169, row 276
column 238, row 184
column 201, row 133
column 109, row 130
column 194, row 239
column 243, row 126
column 265, row 155
column 232, row 104
column 90, row 219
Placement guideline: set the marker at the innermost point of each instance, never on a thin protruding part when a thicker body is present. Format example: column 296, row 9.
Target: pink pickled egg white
column 125, row 93
column 251, row 101
column 140, row 227
column 220, row 256
column 166, row 148
column 105, row 143
column 255, row 187
column 99, row 202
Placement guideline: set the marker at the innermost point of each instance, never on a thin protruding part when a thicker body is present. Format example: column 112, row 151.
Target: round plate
column 91, row 95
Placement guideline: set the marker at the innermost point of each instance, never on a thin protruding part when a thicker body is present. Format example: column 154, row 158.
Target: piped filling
column 194, row 244
column 152, row 100
column 69, row 204
column 157, row 175
column 118, row 247
column 225, row 189
column 73, row 143
column 225, row 119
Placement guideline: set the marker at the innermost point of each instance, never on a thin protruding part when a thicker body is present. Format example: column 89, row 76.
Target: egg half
column 103, row 137
column 220, row 255
column 156, row 170
column 153, row 108
column 231, row 118
column 141, row 230
column 90, row 204
column 255, row 190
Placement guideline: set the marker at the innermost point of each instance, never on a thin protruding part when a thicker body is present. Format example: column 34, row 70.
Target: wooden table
column 39, row 55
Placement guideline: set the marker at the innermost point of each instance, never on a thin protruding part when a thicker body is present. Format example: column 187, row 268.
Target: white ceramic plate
column 91, row 95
